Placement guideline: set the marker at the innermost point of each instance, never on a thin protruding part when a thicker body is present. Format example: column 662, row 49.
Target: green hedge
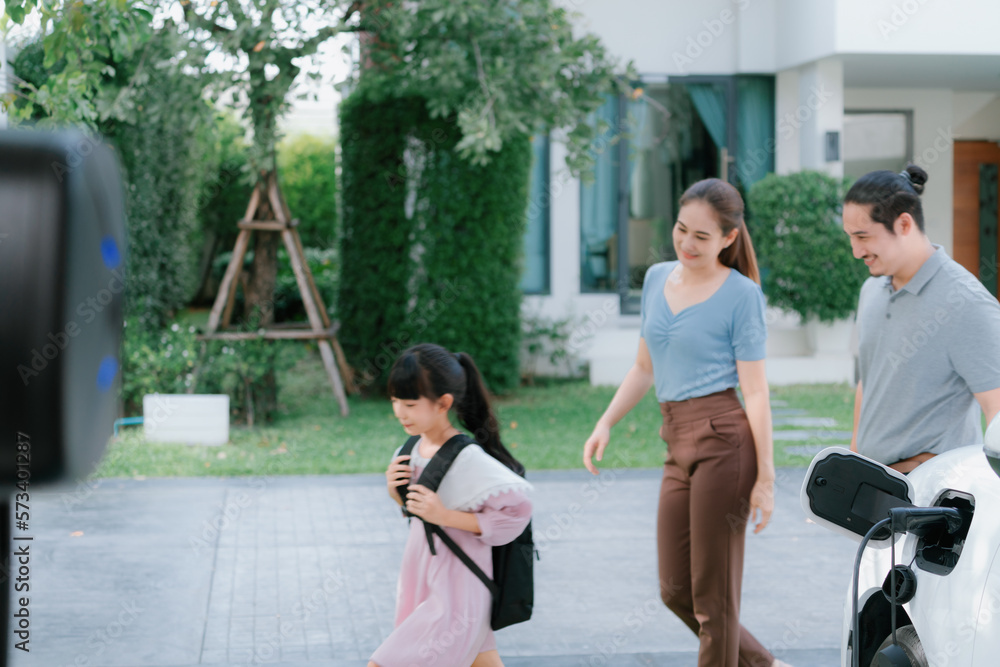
column 164, row 145
column 375, row 238
column 797, row 229
column 473, row 238
column 307, row 172
column 431, row 244
column 165, row 151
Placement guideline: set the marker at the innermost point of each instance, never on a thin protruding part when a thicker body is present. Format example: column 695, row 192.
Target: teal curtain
column 535, row 276
column 710, row 102
column 642, row 141
column 599, row 207
column 754, row 128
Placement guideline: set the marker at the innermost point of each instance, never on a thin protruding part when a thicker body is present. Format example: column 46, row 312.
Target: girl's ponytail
column 476, row 415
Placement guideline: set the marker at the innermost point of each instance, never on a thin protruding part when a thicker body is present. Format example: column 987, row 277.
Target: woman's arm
column 635, row 385
column 753, row 383
column 857, row 417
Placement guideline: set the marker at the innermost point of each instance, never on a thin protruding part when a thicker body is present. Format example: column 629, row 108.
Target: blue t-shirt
column 694, row 352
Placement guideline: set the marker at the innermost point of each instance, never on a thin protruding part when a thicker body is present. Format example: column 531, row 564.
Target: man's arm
column 857, row 416
column 989, row 401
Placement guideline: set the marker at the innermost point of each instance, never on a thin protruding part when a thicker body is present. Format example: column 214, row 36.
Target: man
column 929, row 332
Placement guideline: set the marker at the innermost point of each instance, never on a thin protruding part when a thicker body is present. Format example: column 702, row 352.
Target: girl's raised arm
column 398, row 472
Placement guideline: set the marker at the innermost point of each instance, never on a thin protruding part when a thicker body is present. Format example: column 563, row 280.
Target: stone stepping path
column 800, row 435
column 823, row 422
column 812, row 450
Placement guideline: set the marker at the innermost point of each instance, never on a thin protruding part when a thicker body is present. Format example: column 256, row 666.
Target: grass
column 545, row 427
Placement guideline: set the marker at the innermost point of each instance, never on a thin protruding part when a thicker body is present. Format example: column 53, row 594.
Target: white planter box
column 829, row 337
column 194, row 419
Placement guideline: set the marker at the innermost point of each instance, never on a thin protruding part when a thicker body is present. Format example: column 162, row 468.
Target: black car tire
column 908, row 640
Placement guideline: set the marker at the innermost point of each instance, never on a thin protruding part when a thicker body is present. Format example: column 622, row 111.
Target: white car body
column 955, row 612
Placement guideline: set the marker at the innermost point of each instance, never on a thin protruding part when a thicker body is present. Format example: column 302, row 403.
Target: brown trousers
column 704, row 508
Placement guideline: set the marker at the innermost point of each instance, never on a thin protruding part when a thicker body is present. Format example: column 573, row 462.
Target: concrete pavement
column 299, row 571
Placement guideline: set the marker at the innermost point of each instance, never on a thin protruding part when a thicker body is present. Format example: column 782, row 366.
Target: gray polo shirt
column 924, row 351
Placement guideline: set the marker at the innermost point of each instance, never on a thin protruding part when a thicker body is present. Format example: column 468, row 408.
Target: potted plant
column 806, row 261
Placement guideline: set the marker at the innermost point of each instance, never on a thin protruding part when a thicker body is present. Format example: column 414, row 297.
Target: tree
column 501, row 69
column 436, row 161
column 146, row 102
column 82, row 45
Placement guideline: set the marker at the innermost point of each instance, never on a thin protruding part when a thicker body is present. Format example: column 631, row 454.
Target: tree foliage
column 262, row 39
column 307, row 168
column 501, row 69
column 161, row 138
column 806, row 259
column 82, row 48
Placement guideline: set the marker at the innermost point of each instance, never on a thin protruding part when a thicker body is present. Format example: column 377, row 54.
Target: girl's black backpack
column 513, row 583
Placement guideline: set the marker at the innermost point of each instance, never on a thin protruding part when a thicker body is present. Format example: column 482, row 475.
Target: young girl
column 702, row 333
column 442, row 608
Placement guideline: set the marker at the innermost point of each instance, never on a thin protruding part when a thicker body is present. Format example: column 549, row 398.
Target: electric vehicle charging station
column 927, row 589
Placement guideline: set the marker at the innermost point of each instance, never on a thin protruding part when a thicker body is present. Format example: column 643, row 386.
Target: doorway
column 975, row 215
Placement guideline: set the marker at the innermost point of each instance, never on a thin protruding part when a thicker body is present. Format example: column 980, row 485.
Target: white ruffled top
column 473, row 478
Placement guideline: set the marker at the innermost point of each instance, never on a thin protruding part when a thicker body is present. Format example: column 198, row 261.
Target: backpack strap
column 441, row 461
column 434, row 473
column 405, row 450
column 431, row 477
column 462, row 556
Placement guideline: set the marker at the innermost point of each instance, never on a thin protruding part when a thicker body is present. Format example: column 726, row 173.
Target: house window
column 535, row 275
column 599, row 203
column 876, row 140
column 671, row 135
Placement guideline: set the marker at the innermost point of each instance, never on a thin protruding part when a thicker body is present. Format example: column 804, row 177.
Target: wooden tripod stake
column 319, row 327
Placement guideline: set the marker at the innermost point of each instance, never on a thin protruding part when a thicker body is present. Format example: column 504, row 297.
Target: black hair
column 890, row 195
column 429, row 370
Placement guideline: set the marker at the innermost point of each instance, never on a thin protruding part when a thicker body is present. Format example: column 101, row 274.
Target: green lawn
column 544, row 426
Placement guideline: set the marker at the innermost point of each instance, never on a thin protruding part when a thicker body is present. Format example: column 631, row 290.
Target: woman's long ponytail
column 740, row 255
column 728, row 206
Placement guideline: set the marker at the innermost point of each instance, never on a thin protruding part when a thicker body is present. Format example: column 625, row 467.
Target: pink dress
column 442, row 608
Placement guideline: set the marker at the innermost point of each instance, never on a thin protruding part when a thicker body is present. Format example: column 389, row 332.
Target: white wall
column 805, row 31
column 809, row 103
column 677, row 38
column 757, row 37
column 933, row 140
column 976, row 116
column 917, row 26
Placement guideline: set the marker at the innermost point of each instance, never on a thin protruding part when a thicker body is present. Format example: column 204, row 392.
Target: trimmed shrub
column 806, row 262
column 471, row 223
column 165, row 150
column 431, row 243
column 376, row 236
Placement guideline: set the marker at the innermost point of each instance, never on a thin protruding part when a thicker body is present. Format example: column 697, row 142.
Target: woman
column 702, row 333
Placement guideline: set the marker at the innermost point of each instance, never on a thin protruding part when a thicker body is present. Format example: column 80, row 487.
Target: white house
column 738, row 88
